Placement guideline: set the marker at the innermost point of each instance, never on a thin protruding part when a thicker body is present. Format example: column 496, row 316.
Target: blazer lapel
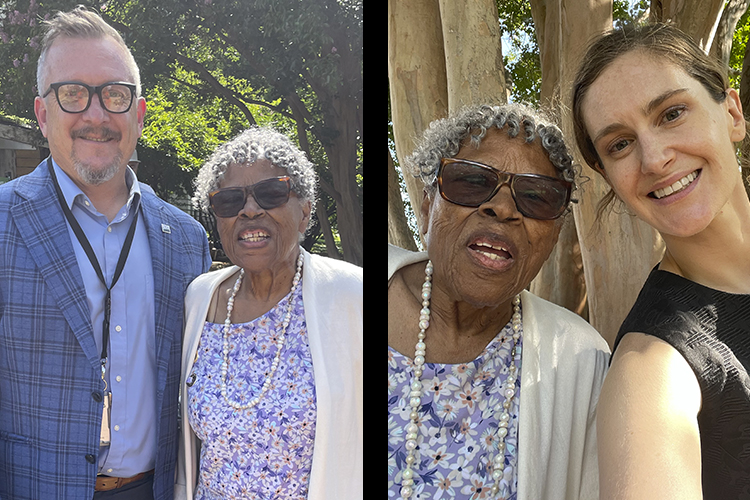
column 162, row 236
column 43, row 228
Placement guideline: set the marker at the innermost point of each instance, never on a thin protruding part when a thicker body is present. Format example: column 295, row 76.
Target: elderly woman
column 471, row 414
column 272, row 353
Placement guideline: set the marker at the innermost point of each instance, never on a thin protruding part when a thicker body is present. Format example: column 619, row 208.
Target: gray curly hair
column 445, row 136
column 246, row 148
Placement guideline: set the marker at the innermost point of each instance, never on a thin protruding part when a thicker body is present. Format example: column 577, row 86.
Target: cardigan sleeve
column 563, row 366
column 197, row 300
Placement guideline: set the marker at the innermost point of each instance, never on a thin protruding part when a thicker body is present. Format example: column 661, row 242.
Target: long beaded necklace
column 415, row 396
column 279, row 341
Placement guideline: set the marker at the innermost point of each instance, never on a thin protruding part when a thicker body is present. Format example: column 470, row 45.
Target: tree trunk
column 398, row 227
column 473, row 53
column 342, row 158
column 320, row 207
column 618, row 253
column 698, row 18
column 561, row 279
column 417, row 82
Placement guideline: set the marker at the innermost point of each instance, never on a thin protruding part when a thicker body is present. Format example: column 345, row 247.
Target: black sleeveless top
column 711, row 329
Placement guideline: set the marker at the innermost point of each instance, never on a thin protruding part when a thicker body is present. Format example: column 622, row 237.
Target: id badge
column 104, row 438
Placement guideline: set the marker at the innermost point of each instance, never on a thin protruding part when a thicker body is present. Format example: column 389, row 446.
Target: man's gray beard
column 95, row 177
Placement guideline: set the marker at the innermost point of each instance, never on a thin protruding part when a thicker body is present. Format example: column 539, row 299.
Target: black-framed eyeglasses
column 268, row 194
column 470, row 184
column 75, row 97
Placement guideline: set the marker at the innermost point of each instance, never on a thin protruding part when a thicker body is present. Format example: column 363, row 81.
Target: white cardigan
column 332, row 296
column 563, row 364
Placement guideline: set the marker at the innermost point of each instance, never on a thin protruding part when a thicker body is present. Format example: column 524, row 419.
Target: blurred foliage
column 739, row 46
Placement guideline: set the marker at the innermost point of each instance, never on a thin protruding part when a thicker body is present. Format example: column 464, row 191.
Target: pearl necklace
column 415, row 396
column 279, row 342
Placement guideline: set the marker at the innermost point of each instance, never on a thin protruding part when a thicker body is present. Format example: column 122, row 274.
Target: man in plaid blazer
column 52, row 388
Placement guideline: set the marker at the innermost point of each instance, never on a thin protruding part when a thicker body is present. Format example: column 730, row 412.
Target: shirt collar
column 71, row 191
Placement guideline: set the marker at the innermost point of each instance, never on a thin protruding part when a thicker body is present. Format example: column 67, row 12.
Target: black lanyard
column 94, row 261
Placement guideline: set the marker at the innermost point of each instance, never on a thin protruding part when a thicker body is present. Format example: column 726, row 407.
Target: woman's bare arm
column 647, row 428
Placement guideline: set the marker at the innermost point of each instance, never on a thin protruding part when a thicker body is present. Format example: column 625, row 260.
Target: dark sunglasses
column 75, row 97
column 268, row 194
column 470, row 184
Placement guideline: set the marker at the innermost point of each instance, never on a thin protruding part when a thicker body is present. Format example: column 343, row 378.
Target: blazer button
column 90, row 458
column 97, row 396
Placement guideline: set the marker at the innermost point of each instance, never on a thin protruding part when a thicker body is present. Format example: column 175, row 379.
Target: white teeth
column 256, row 236
column 677, row 186
column 492, row 256
column 490, row 246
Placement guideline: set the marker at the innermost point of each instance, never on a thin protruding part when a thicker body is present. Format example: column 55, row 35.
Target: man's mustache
column 100, row 133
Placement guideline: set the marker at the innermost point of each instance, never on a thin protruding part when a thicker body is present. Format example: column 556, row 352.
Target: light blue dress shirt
column 131, row 369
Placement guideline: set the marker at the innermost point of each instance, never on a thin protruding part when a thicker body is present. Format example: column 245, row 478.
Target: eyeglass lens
column 75, row 98
column 471, row 185
column 268, row 194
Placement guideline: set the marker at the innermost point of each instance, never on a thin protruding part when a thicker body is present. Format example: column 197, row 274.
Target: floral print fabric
column 458, row 424
column 264, row 452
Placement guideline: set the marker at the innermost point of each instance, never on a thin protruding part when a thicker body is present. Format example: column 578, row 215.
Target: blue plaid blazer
column 49, row 363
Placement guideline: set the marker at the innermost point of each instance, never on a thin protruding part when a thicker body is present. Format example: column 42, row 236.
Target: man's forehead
column 70, row 58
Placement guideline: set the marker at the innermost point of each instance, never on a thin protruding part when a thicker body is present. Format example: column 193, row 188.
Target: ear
column 736, row 125
column 140, row 106
column 306, row 210
column 40, row 110
column 425, row 211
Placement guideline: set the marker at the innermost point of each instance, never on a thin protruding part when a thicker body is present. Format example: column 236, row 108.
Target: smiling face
column 666, row 146
column 94, row 145
column 486, row 255
column 258, row 239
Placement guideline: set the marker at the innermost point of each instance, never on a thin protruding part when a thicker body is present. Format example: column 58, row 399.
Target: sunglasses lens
column 272, row 193
column 540, row 198
column 268, row 194
column 471, row 185
column 466, row 184
column 227, row 202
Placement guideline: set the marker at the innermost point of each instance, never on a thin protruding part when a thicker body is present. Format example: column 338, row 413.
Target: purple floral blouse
column 457, row 424
column 264, row 452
